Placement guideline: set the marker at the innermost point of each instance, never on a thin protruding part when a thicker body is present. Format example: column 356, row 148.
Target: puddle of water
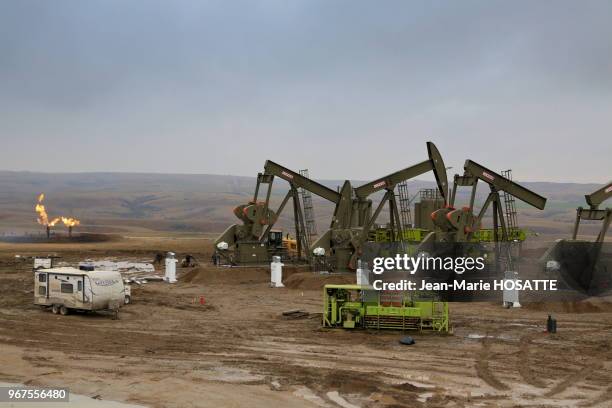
column 308, row 395
column 476, row 336
column 337, row 398
column 425, row 396
column 420, row 384
column 234, row 375
column 76, row 400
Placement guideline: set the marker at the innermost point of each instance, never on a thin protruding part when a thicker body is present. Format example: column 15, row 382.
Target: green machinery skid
column 359, row 306
column 418, row 234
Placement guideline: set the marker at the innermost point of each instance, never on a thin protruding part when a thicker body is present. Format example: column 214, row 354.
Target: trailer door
column 80, row 290
column 42, row 290
column 87, row 290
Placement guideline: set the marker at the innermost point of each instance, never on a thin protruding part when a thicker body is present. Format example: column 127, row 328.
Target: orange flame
column 70, row 222
column 43, row 217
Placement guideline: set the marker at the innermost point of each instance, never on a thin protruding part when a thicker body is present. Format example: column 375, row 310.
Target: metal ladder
column 510, row 206
column 309, row 217
column 404, row 204
column 512, row 251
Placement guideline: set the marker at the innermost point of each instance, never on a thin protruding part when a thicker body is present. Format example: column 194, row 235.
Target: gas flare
column 53, row 222
column 70, row 222
column 43, row 218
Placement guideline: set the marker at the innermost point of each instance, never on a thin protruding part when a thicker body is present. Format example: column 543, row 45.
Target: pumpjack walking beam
column 475, row 172
column 274, row 169
column 435, row 163
column 296, row 181
column 594, row 212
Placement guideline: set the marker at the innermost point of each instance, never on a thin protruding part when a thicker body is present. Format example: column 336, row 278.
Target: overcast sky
column 349, row 89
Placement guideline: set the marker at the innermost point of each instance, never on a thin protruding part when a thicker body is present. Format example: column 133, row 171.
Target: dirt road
column 237, row 350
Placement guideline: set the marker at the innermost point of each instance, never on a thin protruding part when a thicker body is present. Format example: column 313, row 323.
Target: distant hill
column 132, row 202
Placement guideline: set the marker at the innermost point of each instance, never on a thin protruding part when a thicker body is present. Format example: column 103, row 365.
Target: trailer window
column 67, row 288
column 42, row 277
column 79, row 286
column 42, row 290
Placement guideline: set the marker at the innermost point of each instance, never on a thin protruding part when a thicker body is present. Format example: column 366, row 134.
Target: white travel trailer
column 65, row 289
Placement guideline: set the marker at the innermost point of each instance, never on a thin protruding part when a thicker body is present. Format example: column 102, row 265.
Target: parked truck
column 65, row 289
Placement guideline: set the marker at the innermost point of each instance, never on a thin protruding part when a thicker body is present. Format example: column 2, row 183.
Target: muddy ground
column 237, row 350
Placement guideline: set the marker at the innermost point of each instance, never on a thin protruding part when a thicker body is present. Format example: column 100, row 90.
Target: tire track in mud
column 180, row 343
column 482, row 366
column 523, row 364
column 574, row 378
column 600, row 399
column 393, row 361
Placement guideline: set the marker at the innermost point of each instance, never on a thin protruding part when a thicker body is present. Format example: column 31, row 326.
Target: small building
column 64, row 289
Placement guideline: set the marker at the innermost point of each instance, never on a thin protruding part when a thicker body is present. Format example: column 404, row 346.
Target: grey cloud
column 225, row 85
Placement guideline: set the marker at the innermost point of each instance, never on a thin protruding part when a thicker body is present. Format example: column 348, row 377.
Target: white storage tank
column 276, row 272
column 510, row 296
column 363, row 274
column 171, row 261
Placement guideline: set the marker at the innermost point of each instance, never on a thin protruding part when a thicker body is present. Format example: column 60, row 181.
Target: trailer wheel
column 63, row 310
column 127, row 300
column 55, row 309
